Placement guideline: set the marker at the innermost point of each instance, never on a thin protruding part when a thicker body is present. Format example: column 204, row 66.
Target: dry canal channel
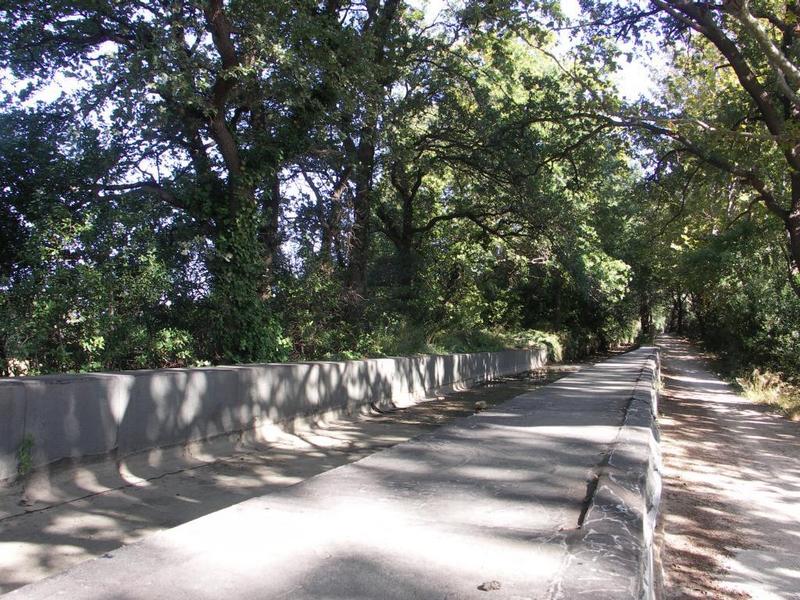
column 551, row 490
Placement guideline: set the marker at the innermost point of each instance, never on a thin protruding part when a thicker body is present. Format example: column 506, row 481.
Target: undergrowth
column 25, row 456
column 757, row 383
column 766, row 387
column 411, row 341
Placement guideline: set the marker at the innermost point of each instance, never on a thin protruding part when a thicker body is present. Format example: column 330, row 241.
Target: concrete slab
column 89, row 416
column 12, row 426
column 57, row 518
column 70, row 416
column 495, row 497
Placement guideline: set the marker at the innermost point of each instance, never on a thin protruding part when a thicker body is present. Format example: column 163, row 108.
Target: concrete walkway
column 731, row 488
column 490, row 502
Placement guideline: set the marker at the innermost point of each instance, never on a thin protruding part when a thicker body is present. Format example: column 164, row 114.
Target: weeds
column 25, row 455
column 766, row 387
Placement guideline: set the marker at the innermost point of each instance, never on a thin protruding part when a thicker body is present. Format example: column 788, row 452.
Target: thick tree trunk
column 361, row 233
column 698, row 310
column 407, row 271
column 360, row 239
column 241, row 328
column 677, row 318
column 645, row 315
column 793, row 234
column 407, row 262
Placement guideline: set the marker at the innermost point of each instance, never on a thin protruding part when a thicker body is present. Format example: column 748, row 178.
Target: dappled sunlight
column 795, row 573
column 43, row 563
column 695, row 381
column 732, row 487
column 133, row 498
column 473, row 501
column 346, row 556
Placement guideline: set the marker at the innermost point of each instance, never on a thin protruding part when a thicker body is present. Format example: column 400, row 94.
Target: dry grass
column 766, row 387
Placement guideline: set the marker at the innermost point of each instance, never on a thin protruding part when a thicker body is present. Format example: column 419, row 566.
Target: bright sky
column 633, row 80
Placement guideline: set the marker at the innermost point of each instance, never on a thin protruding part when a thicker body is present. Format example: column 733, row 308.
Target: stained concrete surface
column 731, row 487
column 492, row 497
column 68, row 514
column 76, row 416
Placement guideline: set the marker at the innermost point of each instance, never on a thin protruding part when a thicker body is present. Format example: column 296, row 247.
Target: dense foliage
column 722, row 187
column 247, row 180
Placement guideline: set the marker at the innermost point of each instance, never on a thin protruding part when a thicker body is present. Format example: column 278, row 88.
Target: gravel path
column 731, row 507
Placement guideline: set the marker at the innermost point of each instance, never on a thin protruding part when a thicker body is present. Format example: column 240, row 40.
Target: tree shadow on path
column 731, row 487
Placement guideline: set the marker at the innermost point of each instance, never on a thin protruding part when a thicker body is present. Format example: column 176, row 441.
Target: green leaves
column 259, row 179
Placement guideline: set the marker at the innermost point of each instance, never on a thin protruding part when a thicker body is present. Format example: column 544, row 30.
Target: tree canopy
column 247, row 180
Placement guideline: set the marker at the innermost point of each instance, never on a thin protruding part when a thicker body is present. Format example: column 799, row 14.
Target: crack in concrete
column 614, row 536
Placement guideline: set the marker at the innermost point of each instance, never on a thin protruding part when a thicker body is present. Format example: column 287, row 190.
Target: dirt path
column 731, row 488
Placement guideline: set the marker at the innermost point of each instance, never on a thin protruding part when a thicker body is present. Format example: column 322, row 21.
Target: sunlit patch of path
column 731, row 488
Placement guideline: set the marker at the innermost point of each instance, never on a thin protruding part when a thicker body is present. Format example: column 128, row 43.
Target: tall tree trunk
column 680, row 312
column 360, row 236
column 240, row 325
column 407, row 270
column 359, row 239
column 792, row 223
column 407, row 262
column 698, row 310
column 645, row 315
column 376, row 33
column 675, row 317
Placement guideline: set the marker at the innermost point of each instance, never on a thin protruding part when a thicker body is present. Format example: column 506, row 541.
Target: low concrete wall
column 76, row 416
column 617, row 536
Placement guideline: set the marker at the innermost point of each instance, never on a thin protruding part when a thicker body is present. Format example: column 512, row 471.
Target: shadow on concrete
column 491, row 497
column 60, row 531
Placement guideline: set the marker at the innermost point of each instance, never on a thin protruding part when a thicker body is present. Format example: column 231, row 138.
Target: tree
column 741, row 112
column 226, row 173
column 201, row 105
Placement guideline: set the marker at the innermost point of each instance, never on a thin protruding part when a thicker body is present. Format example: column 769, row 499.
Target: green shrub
column 25, row 455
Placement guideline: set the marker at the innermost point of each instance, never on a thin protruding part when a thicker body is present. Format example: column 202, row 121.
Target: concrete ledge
column 12, row 426
column 118, row 414
column 614, row 550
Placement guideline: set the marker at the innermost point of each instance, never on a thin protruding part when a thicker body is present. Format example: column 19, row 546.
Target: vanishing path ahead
column 492, row 500
column 731, row 488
